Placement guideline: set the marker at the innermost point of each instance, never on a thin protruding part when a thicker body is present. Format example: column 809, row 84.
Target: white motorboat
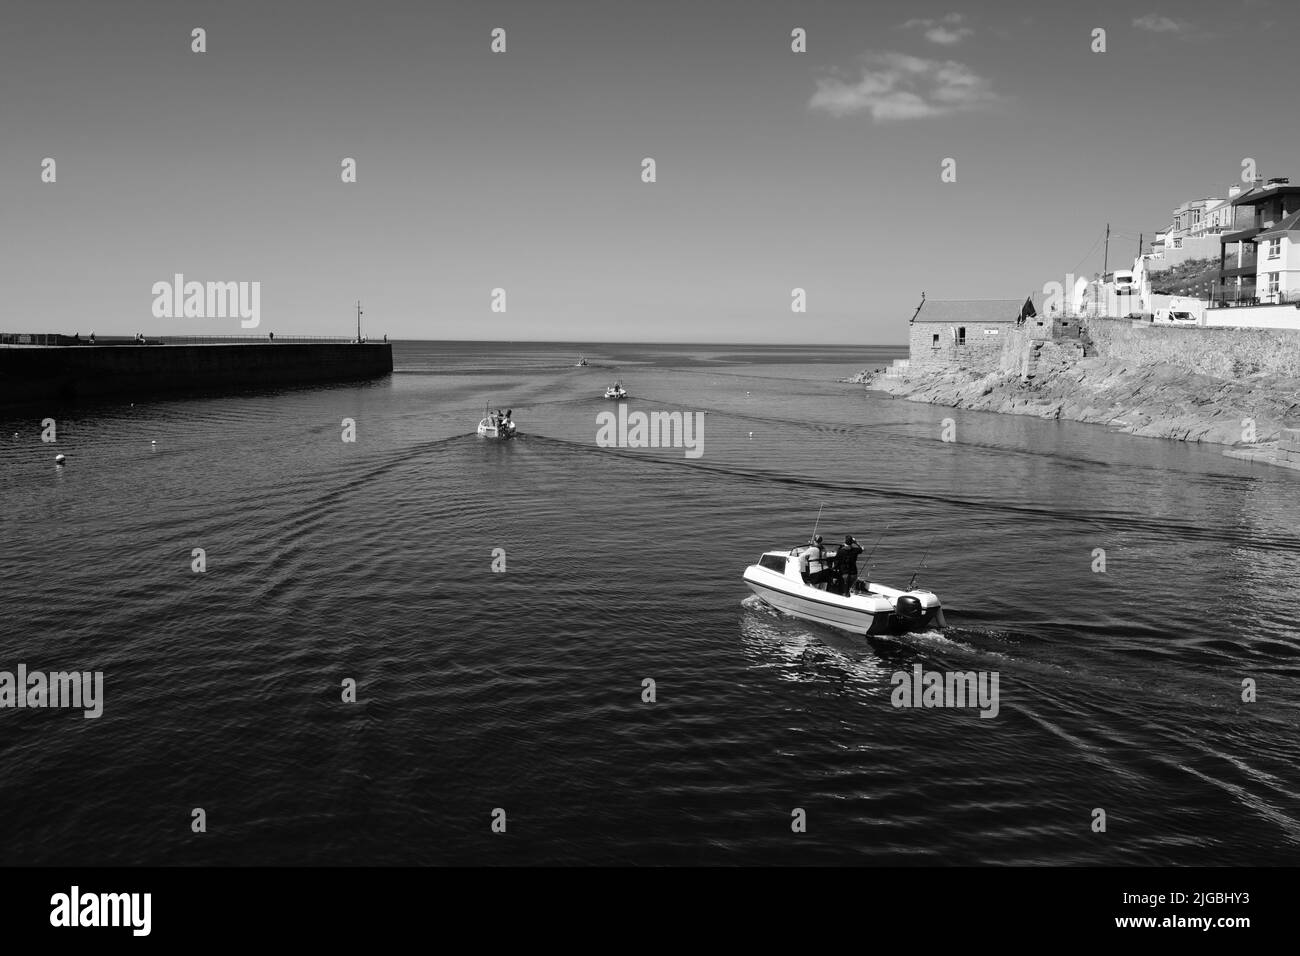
column 487, row 428
column 870, row 609
column 493, row 427
column 616, row 392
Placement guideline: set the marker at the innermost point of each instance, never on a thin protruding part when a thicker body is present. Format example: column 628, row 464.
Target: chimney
column 1234, row 192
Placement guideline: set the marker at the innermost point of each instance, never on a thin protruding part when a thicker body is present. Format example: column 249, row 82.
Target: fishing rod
column 819, row 521
column 920, row 564
column 867, row 563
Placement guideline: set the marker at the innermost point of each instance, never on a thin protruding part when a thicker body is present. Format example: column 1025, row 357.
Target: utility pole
column 1141, row 236
column 1105, row 256
column 358, row 321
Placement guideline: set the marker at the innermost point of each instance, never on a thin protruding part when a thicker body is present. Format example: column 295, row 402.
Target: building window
column 961, row 335
column 1274, row 283
column 934, row 341
column 1274, row 248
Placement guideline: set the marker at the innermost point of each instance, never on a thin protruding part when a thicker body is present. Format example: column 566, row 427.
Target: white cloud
column 947, row 37
column 896, row 86
column 946, row 31
column 1158, row 23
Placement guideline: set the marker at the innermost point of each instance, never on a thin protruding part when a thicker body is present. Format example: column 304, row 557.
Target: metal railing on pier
column 250, row 340
column 55, row 338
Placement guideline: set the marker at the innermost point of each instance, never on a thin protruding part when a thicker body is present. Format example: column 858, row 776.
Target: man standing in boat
column 846, row 559
column 812, row 563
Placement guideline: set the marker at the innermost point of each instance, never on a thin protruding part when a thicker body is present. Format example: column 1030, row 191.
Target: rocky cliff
column 1157, row 400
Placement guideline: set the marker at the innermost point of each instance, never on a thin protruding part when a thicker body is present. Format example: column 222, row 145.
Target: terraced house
column 1259, row 261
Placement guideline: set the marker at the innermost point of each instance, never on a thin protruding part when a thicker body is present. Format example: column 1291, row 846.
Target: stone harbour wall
column 1226, row 353
column 40, row 373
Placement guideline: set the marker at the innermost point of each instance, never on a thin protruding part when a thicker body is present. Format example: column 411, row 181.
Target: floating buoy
column 751, row 434
column 153, row 441
column 58, row 459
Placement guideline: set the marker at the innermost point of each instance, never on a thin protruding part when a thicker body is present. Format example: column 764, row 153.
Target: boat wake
column 1152, row 529
column 755, row 603
column 892, row 649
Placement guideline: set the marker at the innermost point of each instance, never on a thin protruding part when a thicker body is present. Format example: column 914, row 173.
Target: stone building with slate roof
column 963, row 333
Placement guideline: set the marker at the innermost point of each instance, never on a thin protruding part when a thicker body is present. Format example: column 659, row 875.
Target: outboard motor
column 909, row 609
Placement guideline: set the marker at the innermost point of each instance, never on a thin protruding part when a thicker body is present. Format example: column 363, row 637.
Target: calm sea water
column 522, row 690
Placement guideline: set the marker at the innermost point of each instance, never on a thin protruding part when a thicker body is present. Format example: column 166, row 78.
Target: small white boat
column 616, row 392
column 489, row 427
column 870, row 609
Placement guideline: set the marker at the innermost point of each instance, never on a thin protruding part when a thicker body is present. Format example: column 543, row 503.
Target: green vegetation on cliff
column 1195, row 277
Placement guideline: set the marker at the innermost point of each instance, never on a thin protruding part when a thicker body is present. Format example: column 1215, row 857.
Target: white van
column 1178, row 310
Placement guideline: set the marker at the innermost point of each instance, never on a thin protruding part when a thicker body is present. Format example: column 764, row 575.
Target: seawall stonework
column 1225, row 353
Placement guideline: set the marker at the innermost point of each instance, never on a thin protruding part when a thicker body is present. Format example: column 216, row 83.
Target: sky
column 775, row 170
